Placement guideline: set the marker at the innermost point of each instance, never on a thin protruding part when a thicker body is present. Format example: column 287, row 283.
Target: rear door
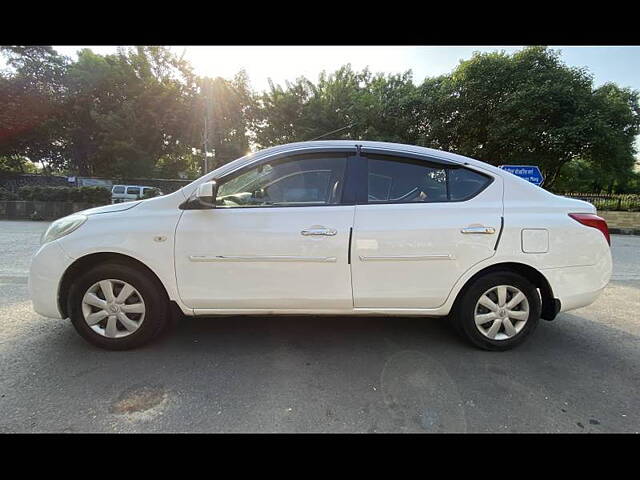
column 419, row 225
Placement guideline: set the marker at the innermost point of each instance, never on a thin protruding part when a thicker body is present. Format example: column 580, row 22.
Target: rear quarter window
column 464, row 183
column 118, row 190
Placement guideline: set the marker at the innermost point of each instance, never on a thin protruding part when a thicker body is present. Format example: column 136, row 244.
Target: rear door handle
column 318, row 231
column 478, row 229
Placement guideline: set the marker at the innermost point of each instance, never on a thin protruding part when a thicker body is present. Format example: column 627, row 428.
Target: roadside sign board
column 93, row 182
column 530, row 173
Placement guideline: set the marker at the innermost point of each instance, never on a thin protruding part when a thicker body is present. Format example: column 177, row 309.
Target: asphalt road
column 580, row 373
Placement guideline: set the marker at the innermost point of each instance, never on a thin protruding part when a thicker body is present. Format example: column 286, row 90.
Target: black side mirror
column 204, row 199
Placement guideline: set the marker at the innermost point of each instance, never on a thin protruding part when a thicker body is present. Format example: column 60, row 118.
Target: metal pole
column 206, row 141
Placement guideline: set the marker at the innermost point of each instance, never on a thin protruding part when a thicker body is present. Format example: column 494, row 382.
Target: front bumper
column 47, row 267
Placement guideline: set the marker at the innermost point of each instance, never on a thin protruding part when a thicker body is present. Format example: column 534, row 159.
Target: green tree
column 128, row 110
column 279, row 112
column 352, row 104
column 184, row 165
column 17, row 164
column 527, row 108
column 616, row 123
column 389, row 113
column 32, row 105
column 337, row 100
column 226, row 106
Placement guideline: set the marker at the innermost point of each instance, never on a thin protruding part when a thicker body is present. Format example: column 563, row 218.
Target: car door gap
column 499, row 233
column 349, row 251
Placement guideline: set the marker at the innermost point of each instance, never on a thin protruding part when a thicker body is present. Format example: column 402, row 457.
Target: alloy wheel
column 113, row 308
column 501, row 312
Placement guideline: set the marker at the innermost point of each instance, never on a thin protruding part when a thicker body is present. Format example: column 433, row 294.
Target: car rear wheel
column 117, row 307
column 498, row 311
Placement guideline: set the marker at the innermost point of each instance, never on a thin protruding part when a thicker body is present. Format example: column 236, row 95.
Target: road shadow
column 338, row 374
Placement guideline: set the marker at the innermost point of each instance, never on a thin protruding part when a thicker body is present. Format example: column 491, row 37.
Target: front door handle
column 319, row 231
column 478, row 229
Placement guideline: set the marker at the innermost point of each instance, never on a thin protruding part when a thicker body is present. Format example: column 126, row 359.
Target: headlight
column 62, row 227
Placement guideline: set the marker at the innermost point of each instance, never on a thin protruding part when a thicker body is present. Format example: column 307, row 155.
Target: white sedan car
column 328, row 228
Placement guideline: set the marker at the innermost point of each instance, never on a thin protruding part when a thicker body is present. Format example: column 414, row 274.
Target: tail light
column 591, row 220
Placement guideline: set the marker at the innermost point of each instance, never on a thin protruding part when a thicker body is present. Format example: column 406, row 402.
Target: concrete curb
column 624, row 231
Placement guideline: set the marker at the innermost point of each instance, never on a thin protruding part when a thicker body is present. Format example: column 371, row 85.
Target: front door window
column 295, row 181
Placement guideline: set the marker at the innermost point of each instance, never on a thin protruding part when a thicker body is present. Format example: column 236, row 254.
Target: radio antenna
column 334, row 131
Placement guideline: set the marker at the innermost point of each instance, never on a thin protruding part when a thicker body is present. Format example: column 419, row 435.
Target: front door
column 419, row 227
column 278, row 239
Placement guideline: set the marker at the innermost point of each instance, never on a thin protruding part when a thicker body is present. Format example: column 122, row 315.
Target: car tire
column 500, row 328
column 88, row 301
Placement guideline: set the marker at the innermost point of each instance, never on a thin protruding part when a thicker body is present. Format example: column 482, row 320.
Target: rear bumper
column 47, row 267
column 577, row 287
column 578, row 300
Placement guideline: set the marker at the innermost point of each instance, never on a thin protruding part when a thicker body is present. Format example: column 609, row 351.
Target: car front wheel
column 498, row 311
column 117, row 307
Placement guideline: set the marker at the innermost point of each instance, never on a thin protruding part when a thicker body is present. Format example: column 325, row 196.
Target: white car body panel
column 50, row 261
column 242, row 258
column 268, row 267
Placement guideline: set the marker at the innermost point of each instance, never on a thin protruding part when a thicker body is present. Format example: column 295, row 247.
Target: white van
column 127, row 193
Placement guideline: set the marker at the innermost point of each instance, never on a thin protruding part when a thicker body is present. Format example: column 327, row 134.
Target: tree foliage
column 32, row 105
column 525, row 108
column 142, row 112
column 225, row 105
column 17, row 164
column 127, row 110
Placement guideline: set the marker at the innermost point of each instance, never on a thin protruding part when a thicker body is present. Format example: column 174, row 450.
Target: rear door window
column 401, row 180
column 392, row 180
